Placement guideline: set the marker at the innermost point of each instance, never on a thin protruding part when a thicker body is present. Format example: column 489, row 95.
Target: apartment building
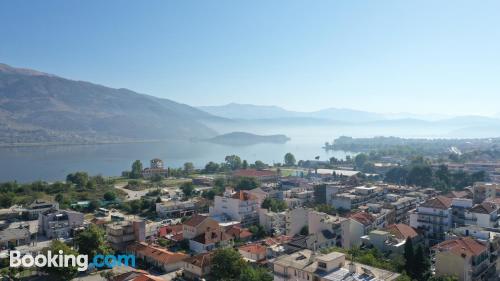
column 288, row 222
column 434, row 218
column 121, row 234
column 239, row 206
column 326, row 230
column 401, row 205
column 392, row 239
column 464, row 257
column 485, row 190
column 56, row 224
column 306, row 265
column 358, row 224
column 482, row 215
column 175, row 208
column 356, row 197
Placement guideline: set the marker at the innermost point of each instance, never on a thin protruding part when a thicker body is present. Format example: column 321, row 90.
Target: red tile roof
column 363, row 218
column 201, row 260
column 243, row 196
column 402, row 231
column 238, row 232
column 195, row 220
column 253, row 249
column 439, row 202
column 253, row 173
column 158, row 254
column 465, row 246
column 484, row 208
column 137, row 275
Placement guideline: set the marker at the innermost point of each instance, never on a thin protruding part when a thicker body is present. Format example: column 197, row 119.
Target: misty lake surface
column 51, row 163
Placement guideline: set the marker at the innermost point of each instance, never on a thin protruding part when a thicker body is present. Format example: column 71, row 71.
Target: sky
column 381, row 56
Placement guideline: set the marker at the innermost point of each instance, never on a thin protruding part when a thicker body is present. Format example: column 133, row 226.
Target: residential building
column 175, row 208
column 434, row 218
column 255, row 253
column 483, row 215
column 121, row 234
column 289, row 222
column 205, row 234
column 465, row 258
column 240, row 206
column 136, row 275
column 198, row 266
column 306, row 265
column 156, row 256
column 359, row 224
column 485, row 190
column 326, row 230
column 13, row 237
column 59, row 224
column 38, row 207
column 392, row 239
column 401, row 206
column 356, row 197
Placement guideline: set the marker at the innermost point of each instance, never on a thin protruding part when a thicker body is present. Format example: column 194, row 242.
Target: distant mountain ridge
column 36, row 107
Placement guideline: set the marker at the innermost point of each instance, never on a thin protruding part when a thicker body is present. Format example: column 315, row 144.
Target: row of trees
column 228, row 265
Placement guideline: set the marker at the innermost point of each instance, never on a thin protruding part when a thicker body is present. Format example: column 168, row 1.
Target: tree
column 59, row 198
column 227, row 264
column 109, row 196
column 188, row 168
column 274, row 205
column 289, row 159
column 443, row 278
column 360, row 160
column 188, row 189
column 80, row 179
column 421, row 265
column 255, row 274
column 136, row 172
column 60, row 273
column 396, row 175
column 93, row 205
column 233, row 161
column 304, row 230
column 409, row 256
column 211, row 167
column 246, row 183
column 92, row 241
column 259, row 165
column 244, row 165
column 420, row 175
column 257, row 231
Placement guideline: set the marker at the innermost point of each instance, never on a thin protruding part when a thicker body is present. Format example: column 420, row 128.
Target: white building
column 59, row 224
column 483, row 215
column 434, row 218
column 240, row 206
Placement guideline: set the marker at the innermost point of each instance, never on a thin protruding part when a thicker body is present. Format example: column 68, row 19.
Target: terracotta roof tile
column 195, row 220
column 484, row 208
column 402, row 231
column 363, row 218
column 201, row 260
column 440, row 202
column 462, row 246
column 158, row 254
column 253, row 249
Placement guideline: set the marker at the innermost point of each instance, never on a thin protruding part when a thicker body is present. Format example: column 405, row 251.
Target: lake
column 51, row 163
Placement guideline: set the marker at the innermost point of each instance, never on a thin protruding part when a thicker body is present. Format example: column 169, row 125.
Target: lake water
column 52, row 163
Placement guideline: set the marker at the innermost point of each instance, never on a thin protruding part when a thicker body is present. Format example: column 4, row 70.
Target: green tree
column 188, row 168
column 360, row 160
column 257, row 231
column 227, row 265
column 211, row 167
column 188, row 189
column 136, row 172
column 255, row 274
column 409, row 256
column 259, row 165
column 109, row 196
column 274, row 205
column 60, row 273
column 244, row 165
column 289, row 159
column 233, row 161
column 92, row 241
column 80, row 179
column 246, row 183
column 421, row 265
column 443, row 278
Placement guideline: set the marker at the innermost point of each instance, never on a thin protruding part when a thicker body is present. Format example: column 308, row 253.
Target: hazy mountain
column 36, row 107
column 249, row 111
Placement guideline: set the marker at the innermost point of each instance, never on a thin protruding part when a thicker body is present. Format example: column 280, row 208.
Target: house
column 260, row 175
column 13, row 237
column 171, row 232
column 59, row 224
column 485, row 190
column 120, row 234
column 197, row 267
column 326, row 230
column 307, row 265
column 156, row 256
column 240, row 206
column 253, row 252
column 205, row 234
column 483, row 215
column 434, row 218
column 239, row 233
column 465, row 258
column 359, row 225
column 392, row 239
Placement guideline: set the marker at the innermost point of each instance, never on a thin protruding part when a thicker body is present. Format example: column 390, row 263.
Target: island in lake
column 242, row 138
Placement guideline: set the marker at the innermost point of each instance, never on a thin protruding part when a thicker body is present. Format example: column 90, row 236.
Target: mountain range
column 42, row 108
column 36, row 107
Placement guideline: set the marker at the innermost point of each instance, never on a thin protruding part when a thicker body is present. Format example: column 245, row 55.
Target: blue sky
column 384, row 56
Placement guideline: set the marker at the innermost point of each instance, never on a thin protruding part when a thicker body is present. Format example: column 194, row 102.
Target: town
column 297, row 220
